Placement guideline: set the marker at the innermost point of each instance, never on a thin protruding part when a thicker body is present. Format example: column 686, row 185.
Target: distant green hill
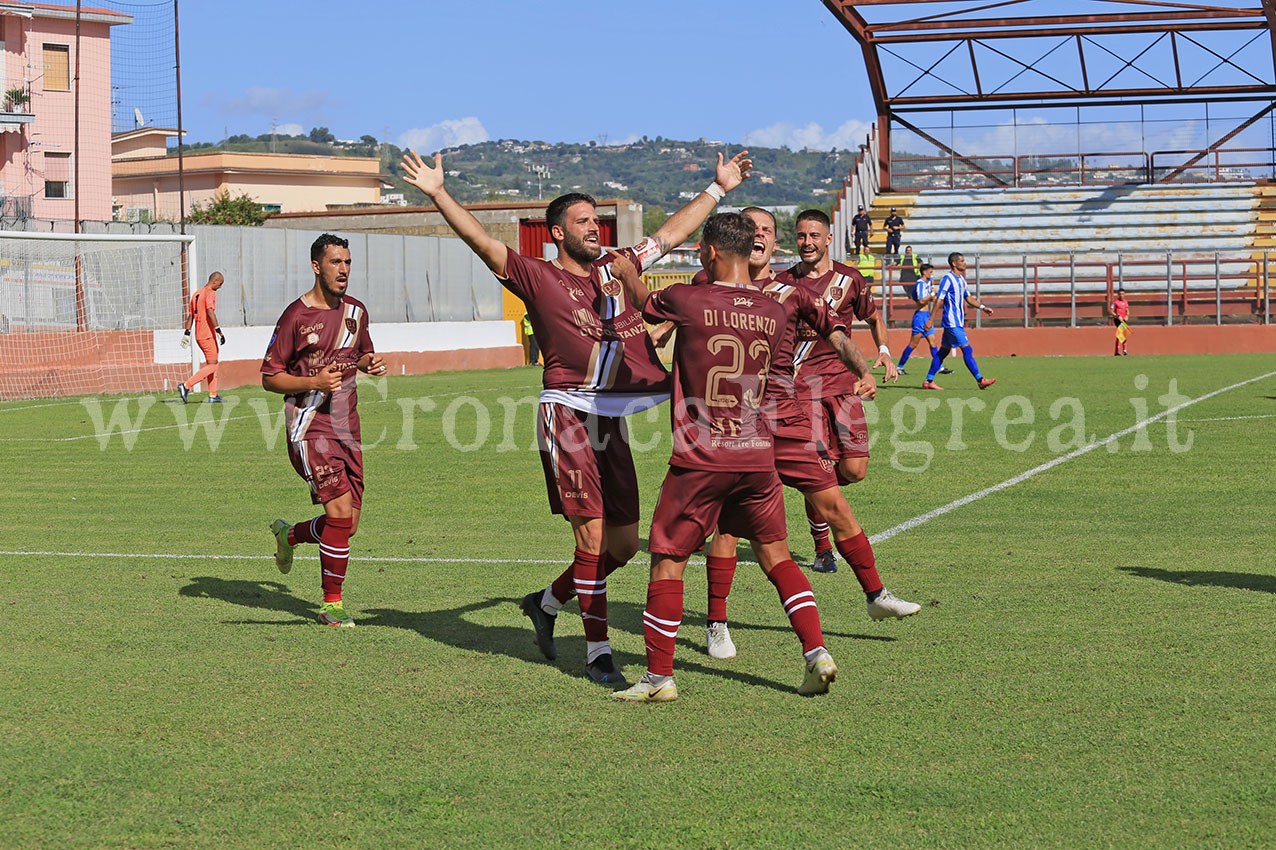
column 654, row 172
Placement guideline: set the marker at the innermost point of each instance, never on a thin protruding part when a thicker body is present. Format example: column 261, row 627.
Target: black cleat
column 603, row 671
column 825, row 562
column 944, row 371
column 542, row 622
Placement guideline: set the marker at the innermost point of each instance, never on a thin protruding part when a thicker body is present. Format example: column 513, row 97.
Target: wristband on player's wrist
column 884, row 349
column 716, row 192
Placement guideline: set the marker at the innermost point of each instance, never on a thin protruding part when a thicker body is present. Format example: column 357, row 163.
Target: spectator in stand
column 1120, row 309
column 861, row 228
column 894, row 226
column 910, row 267
column 866, row 263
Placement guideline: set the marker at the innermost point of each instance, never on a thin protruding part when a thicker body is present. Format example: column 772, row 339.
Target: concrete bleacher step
column 1192, row 219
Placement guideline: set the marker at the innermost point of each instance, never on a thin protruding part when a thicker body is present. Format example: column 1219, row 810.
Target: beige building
column 145, row 188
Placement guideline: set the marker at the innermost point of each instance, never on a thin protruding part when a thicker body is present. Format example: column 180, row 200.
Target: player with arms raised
column 319, row 342
column 600, row 366
column 722, row 471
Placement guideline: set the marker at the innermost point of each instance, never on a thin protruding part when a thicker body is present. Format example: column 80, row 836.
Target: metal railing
column 1162, row 288
column 1100, row 168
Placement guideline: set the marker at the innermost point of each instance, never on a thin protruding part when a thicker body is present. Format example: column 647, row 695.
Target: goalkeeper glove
column 221, row 337
column 186, row 339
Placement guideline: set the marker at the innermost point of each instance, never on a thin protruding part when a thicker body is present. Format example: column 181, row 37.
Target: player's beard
column 579, row 250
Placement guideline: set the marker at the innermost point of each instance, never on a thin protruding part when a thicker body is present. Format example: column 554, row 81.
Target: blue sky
column 441, row 72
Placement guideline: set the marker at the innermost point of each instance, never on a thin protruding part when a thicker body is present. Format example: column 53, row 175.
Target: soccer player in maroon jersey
column 822, row 381
column 600, row 366
column 801, row 456
column 319, row 342
column 722, row 471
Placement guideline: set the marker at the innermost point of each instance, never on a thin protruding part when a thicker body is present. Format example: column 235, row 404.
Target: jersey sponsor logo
column 575, row 292
column 312, row 338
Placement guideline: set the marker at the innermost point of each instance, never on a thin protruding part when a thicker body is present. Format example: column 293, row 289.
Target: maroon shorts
column 694, row 501
column 841, row 422
column 589, row 470
column 331, row 468
column 804, row 464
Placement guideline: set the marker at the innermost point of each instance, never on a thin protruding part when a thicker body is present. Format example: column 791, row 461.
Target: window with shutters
column 57, row 175
column 57, row 67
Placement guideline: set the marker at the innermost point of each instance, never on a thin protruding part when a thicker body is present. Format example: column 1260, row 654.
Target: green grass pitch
column 1092, row 666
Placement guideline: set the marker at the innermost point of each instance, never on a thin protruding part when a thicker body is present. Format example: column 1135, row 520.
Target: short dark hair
column 321, row 244
column 814, row 215
column 924, row 268
column 745, row 212
column 730, row 233
column 557, row 209
column 952, row 258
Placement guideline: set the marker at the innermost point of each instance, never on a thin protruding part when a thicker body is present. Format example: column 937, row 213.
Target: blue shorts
column 955, row 338
column 920, row 318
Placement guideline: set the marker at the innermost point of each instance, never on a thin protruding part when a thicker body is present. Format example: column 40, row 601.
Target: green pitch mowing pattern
column 1092, row 667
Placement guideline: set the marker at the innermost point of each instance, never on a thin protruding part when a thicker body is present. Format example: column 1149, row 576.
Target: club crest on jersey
column 741, row 301
column 611, row 287
column 352, row 325
column 836, row 292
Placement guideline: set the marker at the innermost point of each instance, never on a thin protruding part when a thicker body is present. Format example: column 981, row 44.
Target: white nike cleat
column 720, row 644
column 888, row 605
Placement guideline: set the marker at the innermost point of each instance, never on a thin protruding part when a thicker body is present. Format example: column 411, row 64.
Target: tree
column 224, row 209
column 321, row 134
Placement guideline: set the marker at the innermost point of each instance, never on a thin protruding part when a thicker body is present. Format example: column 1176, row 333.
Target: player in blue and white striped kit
column 923, row 294
column 951, row 300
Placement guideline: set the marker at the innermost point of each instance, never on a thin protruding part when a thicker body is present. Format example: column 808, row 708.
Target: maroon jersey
column 592, row 339
column 842, row 288
column 726, row 336
column 805, row 313
column 305, row 341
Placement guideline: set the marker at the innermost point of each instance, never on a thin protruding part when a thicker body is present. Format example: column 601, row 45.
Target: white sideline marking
column 1233, row 418
column 192, row 424
column 908, row 525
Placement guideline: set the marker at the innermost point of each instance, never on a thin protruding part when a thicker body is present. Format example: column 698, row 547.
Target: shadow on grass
column 1206, row 578
column 454, row 627
column 268, row 595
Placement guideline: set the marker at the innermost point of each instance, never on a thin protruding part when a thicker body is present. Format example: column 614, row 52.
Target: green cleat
column 283, row 549
column 334, row 614
column 645, row 691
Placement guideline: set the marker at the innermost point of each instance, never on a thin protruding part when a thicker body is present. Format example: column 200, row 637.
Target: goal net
column 85, row 314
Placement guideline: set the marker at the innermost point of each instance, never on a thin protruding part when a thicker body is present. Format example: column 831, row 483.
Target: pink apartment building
column 38, row 150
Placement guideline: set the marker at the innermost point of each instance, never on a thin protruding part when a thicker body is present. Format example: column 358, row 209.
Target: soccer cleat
column 334, row 614
column 944, row 370
column 214, row 399
column 985, row 383
column 819, row 673
column 903, row 371
column 719, row 638
column 931, row 385
column 825, row 562
column 603, row 671
column 888, row 605
column 183, row 392
column 283, row 549
column 645, row 691
column 542, row 622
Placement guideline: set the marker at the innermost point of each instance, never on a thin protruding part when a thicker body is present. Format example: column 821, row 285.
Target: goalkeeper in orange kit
column 202, row 315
